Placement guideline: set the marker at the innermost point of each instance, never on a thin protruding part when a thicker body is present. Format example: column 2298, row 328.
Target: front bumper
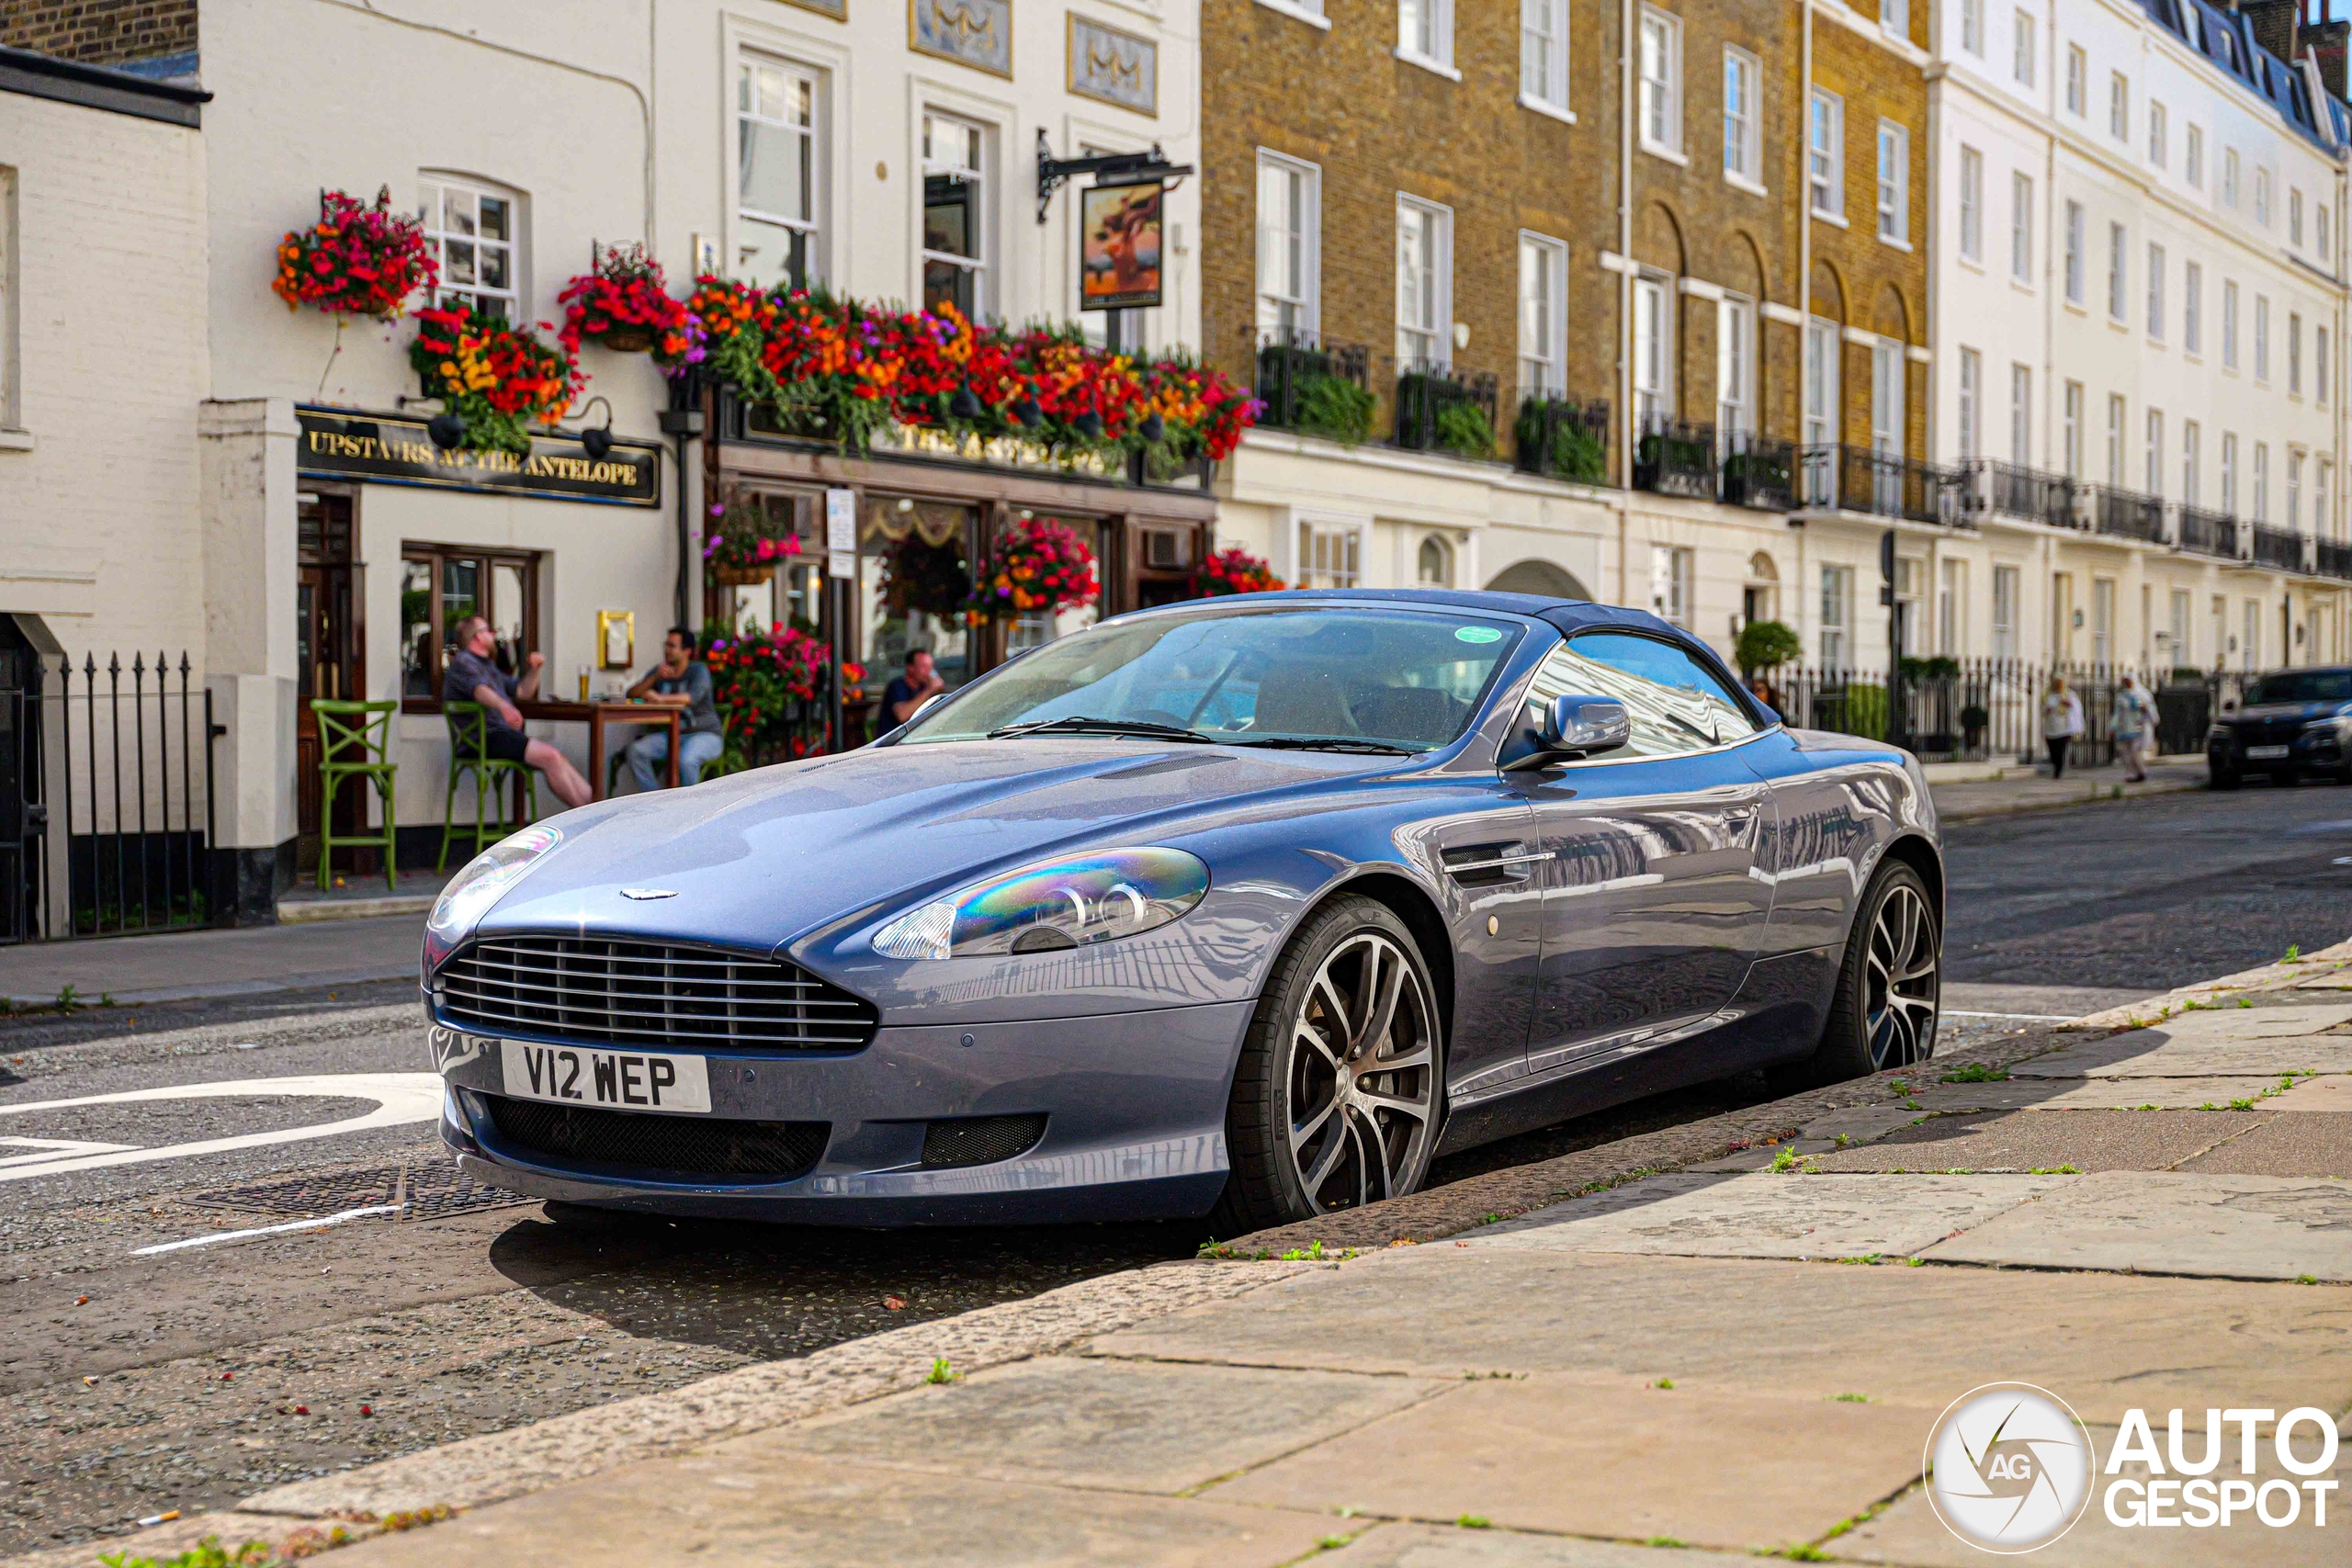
column 2320, row 748
column 1134, row 1105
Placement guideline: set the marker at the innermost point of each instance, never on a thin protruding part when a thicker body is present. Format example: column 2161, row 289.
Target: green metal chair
column 355, row 742
column 469, row 757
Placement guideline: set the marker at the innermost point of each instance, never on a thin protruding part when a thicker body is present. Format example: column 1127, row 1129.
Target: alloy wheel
column 1901, row 978
column 1362, row 1076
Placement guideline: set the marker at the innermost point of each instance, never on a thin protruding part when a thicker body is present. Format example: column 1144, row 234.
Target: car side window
column 1676, row 704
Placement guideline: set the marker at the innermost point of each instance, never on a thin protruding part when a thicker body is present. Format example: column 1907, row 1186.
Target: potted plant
column 740, row 550
column 622, row 302
column 1335, row 408
column 921, row 578
column 1463, row 428
column 494, row 376
column 1766, row 644
column 1233, row 571
column 1038, row 563
column 356, row 260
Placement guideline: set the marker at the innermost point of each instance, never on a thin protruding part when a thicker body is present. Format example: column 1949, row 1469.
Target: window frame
column 1439, row 227
column 2262, row 339
column 1308, row 178
column 2077, row 80
column 435, row 187
column 2023, row 66
column 2118, row 107
column 1736, row 319
column 1554, row 300
column 1552, row 48
column 1972, row 204
column 1439, row 16
column 980, row 267
column 2229, row 323
column 2233, row 178
column 2020, row 227
column 487, row 560
column 2192, row 156
column 816, row 151
column 2192, row 307
column 1648, row 90
column 1825, row 165
column 2119, row 273
column 1968, row 384
column 2020, row 414
column 1749, row 172
column 2261, row 196
column 2159, row 135
column 2077, row 265
column 1893, row 183
column 1654, row 400
column 2156, row 292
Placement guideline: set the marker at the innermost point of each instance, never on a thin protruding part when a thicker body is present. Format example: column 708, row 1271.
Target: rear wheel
column 1337, row 1094
column 1885, row 1011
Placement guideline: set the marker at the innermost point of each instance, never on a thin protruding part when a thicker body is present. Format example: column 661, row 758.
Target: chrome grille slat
column 619, row 991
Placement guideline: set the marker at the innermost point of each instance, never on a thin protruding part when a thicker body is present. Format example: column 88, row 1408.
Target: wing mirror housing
column 1574, row 727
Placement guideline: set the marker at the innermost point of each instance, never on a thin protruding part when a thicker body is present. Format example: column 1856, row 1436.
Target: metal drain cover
column 432, row 1189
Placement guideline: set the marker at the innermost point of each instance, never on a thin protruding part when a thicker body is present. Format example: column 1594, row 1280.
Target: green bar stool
column 355, row 742
column 469, row 757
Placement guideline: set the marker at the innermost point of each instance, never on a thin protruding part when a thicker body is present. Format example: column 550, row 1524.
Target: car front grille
column 678, row 1146
column 2269, row 731
column 598, row 989
column 980, row 1140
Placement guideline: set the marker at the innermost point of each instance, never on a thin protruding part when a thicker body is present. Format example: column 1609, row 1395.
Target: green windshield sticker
column 1476, row 634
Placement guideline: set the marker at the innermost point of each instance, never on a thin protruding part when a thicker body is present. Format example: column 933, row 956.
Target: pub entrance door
column 328, row 657
column 23, row 821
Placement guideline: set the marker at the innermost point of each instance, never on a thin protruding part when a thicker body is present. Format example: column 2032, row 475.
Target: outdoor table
column 596, row 715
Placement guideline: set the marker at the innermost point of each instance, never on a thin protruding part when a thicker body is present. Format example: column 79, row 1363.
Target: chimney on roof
column 2274, row 23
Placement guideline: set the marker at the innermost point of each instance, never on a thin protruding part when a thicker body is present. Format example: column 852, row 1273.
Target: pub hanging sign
column 387, row 449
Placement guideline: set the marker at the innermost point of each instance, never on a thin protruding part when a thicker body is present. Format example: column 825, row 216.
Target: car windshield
column 2302, row 686
column 1324, row 677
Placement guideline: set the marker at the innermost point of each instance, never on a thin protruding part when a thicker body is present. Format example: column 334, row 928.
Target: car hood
column 2268, row 711
column 762, row 858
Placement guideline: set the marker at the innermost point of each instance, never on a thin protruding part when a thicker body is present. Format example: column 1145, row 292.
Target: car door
column 1653, row 904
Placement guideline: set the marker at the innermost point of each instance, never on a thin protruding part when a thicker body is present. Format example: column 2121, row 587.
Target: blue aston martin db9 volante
column 1245, row 908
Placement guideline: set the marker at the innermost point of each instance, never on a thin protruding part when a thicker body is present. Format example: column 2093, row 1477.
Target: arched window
column 1540, row 578
column 1760, row 599
column 1436, row 565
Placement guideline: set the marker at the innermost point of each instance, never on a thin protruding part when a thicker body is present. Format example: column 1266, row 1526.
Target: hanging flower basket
column 1037, row 564
column 1233, row 571
column 623, row 303
column 741, row 550
column 495, row 376
column 357, row 260
column 918, row 577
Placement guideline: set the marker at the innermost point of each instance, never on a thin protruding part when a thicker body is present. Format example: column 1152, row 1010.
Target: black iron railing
column 1313, row 384
column 1675, row 457
column 2015, row 490
column 2207, row 533
column 2278, row 548
column 2333, row 558
column 1759, row 472
column 1856, row 479
column 1981, row 709
column 1442, row 407
column 2127, row 513
column 1562, row 439
column 133, row 814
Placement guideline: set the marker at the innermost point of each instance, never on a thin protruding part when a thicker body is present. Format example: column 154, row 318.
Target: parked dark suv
column 2292, row 723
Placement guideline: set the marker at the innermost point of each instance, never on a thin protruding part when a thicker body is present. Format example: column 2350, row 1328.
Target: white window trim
column 1970, row 246
column 1901, row 238
column 1441, row 253
column 1559, row 310
column 1836, row 172
column 1750, row 179
column 1300, row 12
column 820, row 229
column 1442, row 61
column 2021, row 226
column 1676, row 87
column 1559, row 63
column 518, row 294
column 1338, row 524
column 986, row 288
column 1311, row 239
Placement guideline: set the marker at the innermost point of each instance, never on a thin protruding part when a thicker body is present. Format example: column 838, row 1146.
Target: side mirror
column 1578, row 726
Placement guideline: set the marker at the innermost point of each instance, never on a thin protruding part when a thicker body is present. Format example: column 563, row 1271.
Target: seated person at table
column 472, row 678
column 907, row 692
column 680, row 680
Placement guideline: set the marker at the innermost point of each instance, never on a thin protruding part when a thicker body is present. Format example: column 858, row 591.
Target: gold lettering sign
column 1118, row 68
column 394, row 449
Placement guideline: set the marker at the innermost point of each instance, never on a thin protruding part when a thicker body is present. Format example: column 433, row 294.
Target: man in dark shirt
column 680, row 680
column 472, row 678
column 908, row 692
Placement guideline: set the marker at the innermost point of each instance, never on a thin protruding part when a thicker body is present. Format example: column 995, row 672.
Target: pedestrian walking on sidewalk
column 2062, row 720
column 2133, row 721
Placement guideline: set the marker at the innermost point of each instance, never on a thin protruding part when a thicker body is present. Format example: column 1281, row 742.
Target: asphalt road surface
column 134, row 1380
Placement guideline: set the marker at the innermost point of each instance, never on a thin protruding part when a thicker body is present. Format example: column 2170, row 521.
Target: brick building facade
column 100, row 32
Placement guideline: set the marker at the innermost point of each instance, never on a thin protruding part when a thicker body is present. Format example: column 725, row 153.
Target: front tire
column 2221, row 778
column 1339, row 1092
column 1883, row 1014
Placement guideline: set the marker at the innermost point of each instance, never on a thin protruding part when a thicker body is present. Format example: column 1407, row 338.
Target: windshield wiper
column 1079, row 724
column 1331, row 743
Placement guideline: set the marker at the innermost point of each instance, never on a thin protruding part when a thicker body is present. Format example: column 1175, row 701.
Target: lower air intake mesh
column 980, row 1140
column 692, row 1145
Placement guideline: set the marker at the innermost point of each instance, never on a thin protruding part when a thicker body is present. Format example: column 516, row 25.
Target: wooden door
column 328, row 652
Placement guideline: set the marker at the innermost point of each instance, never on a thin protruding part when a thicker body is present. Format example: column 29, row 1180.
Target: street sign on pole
column 840, row 533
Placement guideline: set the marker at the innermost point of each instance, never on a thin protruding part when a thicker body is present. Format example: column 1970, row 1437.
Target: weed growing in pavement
column 1915, row 1263
column 2294, row 953
column 2307, row 1279
column 1852, row 1522
column 1802, row 1553
column 1843, row 1139
column 2246, row 1001
column 1475, row 1522
column 417, row 1519
column 941, row 1372
column 2242, row 1105
column 68, row 999
column 2145, row 1108
column 1977, row 1072
column 1332, row 1542
column 204, row 1553
column 1865, row 1257
column 1900, row 1086
column 1664, row 1540
column 1666, row 1383
column 1849, row 1399
column 2054, row 1170
column 1913, row 1105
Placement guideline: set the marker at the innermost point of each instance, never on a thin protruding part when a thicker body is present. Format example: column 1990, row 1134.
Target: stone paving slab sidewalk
column 1734, row 1360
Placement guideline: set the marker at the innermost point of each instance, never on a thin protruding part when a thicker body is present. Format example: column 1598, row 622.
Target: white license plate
column 2267, row 753
column 624, row 1080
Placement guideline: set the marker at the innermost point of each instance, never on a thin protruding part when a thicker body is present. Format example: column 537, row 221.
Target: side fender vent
column 1492, row 865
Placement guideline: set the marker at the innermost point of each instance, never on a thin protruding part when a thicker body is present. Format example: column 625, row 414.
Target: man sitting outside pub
column 907, row 692
column 680, row 680
column 471, row 677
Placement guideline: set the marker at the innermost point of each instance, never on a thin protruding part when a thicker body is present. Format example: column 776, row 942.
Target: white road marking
column 401, row 1099
column 267, row 1230
column 2027, row 1016
column 55, row 1148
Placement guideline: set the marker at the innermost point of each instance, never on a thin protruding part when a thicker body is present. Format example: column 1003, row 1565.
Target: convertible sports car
column 1245, row 908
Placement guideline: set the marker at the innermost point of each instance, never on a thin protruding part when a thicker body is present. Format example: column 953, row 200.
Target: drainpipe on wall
column 686, row 425
column 1626, row 111
column 1804, row 289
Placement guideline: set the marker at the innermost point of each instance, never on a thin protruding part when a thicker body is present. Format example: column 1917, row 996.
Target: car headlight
column 486, row 878
column 1069, row 903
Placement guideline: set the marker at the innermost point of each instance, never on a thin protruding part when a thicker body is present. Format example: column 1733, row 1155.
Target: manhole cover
column 428, row 1191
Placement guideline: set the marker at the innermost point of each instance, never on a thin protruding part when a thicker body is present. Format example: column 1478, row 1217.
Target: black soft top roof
column 1567, row 615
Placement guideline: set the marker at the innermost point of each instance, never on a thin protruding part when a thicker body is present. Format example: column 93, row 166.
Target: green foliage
column 1571, row 451
column 1465, row 428
column 1764, row 645
column 1335, row 408
column 1938, row 668
column 204, row 1553
column 941, row 1372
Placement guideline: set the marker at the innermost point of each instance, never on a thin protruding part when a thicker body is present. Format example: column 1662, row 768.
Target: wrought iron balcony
column 1440, row 408
column 2015, row 490
column 1675, row 457
column 1312, row 385
column 2207, row 533
column 2333, row 558
column 1759, row 471
column 2128, row 515
column 1855, row 478
column 1562, row 440
column 2278, row 548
